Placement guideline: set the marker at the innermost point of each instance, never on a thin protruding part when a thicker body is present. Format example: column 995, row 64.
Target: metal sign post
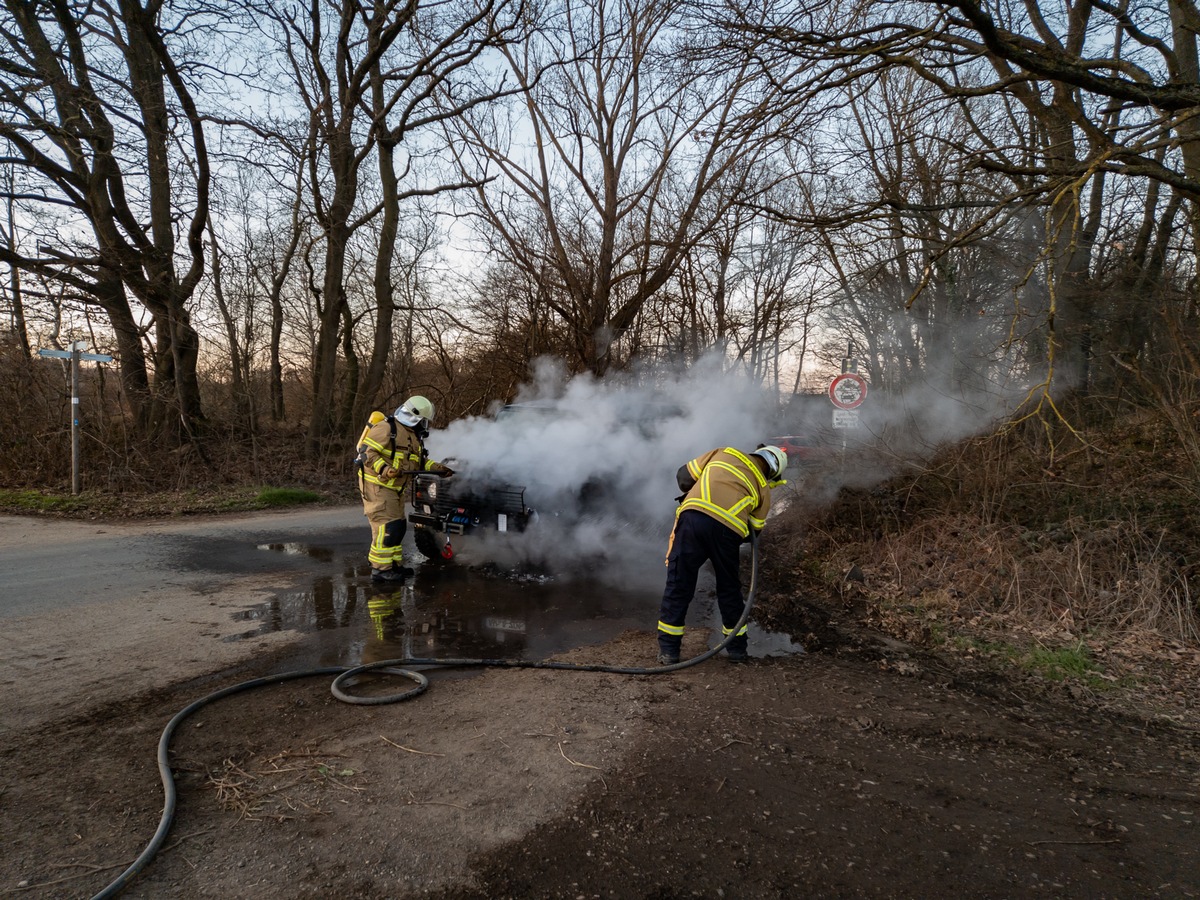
column 75, row 354
column 847, row 392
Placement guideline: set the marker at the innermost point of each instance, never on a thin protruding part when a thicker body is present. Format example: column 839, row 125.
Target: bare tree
column 274, row 263
column 1087, row 91
column 99, row 115
column 437, row 64
column 9, row 235
column 366, row 74
column 709, row 278
column 626, row 148
column 330, row 49
column 745, row 289
column 1141, row 56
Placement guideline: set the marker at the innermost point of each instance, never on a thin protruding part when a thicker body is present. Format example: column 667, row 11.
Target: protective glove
column 390, row 472
column 441, row 469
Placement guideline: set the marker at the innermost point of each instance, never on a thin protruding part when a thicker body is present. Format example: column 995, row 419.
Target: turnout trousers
column 384, row 509
column 699, row 539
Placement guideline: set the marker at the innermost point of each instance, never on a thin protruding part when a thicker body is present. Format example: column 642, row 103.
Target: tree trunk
column 241, row 397
column 385, row 302
column 131, row 356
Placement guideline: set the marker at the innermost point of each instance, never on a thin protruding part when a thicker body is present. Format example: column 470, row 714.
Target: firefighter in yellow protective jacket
column 728, row 493
column 391, row 451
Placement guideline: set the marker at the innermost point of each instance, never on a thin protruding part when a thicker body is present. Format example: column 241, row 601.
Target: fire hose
column 343, row 674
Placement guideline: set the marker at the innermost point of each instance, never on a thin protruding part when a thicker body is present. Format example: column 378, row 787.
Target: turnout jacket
column 399, row 449
column 729, row 486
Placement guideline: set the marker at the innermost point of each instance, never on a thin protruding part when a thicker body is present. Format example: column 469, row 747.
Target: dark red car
column 803, row 449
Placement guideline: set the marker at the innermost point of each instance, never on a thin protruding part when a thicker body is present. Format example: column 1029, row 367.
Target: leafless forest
column 277, row 216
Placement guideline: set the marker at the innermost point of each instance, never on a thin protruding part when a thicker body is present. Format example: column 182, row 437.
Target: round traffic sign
column 848, row 390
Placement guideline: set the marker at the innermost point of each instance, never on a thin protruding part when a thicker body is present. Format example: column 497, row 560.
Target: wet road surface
column 49, row 566
column 324, row 588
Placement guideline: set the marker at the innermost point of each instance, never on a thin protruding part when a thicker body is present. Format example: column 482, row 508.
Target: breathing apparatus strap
column 361, row 460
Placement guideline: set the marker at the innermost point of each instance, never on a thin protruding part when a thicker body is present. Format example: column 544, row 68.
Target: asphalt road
column 51, row 565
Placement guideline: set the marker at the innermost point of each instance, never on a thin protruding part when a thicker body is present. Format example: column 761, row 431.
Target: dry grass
column 1103, row 541
column 991, row 545
column 288, row 785
column 1115, row 580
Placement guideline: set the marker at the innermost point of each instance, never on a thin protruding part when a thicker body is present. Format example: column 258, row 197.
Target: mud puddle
column 460, row 611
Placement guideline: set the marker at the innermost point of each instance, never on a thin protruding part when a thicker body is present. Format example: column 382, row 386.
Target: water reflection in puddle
column 294, row 548
column 460, row 611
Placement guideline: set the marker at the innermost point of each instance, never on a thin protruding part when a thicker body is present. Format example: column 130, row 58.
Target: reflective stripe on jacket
column 406, row 455
column 731, row 488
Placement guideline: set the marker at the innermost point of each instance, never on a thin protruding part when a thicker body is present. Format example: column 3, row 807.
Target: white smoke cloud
column 621, row 437
column 904, row 430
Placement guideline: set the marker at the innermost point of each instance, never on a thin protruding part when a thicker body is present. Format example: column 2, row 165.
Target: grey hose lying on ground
column 393, row 667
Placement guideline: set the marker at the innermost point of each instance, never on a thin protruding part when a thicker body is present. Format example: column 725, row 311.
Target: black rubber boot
column 392, row 574
column 668, row 651
column 736, row 650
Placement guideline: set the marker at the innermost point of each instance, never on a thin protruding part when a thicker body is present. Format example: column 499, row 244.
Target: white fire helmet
column 776, row 460
column 414, row 409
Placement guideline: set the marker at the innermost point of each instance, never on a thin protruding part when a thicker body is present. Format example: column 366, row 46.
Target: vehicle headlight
column 433, row 490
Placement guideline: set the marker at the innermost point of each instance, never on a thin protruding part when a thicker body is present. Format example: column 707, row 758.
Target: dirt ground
column 865, row 768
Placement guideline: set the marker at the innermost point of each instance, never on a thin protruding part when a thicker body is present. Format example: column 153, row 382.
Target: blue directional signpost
column 75, row 353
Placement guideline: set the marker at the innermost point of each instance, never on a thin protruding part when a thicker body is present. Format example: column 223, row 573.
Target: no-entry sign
column 848, row 390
